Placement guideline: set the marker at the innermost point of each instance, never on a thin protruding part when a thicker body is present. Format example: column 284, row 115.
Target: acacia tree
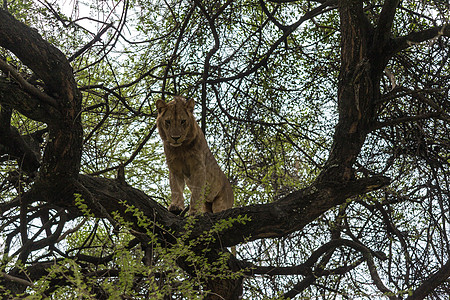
column 329, row 117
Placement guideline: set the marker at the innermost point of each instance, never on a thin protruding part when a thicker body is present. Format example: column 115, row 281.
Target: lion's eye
column 183, row 122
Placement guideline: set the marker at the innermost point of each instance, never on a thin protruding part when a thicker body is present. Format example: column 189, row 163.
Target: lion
column 190, row 160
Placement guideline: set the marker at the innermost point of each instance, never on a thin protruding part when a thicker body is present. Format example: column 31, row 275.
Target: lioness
column 190, row 160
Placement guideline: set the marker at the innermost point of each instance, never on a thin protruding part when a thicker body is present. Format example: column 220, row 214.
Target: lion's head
column 176, row 122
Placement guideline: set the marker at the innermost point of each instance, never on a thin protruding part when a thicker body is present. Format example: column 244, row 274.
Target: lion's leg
column 219, row 204
column 197, row 185
column 176, row 187
column 225, row 199
column 197, row 199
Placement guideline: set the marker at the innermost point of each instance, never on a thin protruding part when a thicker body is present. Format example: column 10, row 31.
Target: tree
column 330, row 118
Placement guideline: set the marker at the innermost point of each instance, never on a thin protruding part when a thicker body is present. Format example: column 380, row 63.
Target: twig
column 88, row 45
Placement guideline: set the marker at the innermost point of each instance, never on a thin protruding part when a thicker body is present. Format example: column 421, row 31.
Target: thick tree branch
column 273, row 220
column 385, row 21
column 357, row 93
column 52, row 66
column 407, row 119
column 432, row 282
column 413, row 38
column 29, row 88
column 62, row 155
column 299, row 287
column 305, row 268
column 13, row 96
column 16, row 279
column 24, row 151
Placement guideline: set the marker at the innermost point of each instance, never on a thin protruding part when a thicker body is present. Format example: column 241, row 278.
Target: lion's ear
column 190, row 104
column 160, row 105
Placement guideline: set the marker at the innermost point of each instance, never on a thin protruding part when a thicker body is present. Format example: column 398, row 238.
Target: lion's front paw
column 175, row 209
column 194, row 212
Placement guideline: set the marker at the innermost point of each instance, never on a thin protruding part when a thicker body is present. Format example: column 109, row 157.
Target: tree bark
column 50, row 65
column 271, row 220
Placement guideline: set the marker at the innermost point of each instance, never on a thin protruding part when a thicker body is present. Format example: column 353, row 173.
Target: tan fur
column 190, row 161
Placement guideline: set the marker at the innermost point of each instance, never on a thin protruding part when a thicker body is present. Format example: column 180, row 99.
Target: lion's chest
column 188, row 163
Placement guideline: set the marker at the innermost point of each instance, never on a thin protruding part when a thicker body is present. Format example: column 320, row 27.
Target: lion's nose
column 176, row 138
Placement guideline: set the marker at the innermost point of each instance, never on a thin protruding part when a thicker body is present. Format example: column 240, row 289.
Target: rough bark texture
column 63, row 154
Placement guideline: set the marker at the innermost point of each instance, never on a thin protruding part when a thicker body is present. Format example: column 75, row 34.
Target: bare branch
column 328, row 5
column 92, row 42
column 405, row 120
